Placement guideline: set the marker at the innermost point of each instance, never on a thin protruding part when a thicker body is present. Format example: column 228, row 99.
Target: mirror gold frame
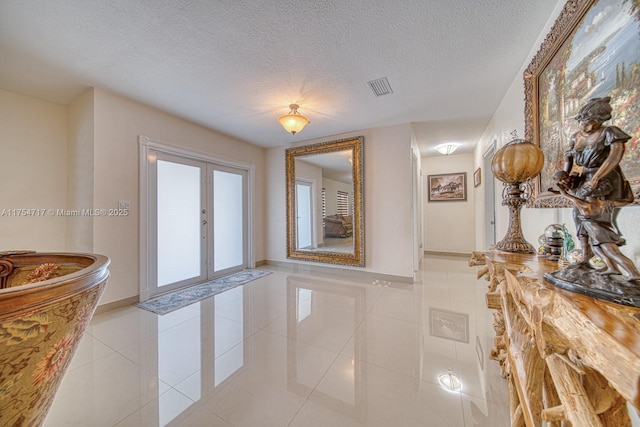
column 356, row 257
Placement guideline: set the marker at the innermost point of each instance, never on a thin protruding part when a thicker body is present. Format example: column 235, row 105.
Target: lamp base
column 514, row 240
column 517, row 246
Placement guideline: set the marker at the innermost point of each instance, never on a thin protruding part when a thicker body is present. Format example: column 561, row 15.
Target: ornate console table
column 566, row 356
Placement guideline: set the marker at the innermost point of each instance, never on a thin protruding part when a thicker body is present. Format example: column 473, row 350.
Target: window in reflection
column 303, row 305
column 347, row 388
column 304, row 214
column 179, row 353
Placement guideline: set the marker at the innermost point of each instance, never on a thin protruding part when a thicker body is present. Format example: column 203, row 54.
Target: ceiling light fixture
column 447, row 148
column 293, row 122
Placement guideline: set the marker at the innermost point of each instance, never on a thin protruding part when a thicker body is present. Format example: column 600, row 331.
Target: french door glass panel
column 228, row 219
column 179, row 223
column 198, row 221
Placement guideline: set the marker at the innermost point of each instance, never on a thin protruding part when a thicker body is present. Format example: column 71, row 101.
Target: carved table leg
column 576, row 403
column 551, row 401
column 606, row 401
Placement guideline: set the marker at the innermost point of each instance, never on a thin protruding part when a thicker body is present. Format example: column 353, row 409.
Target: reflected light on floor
column 449, row 381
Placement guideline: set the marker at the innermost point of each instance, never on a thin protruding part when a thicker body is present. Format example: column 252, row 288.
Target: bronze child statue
column 595, row 220
column 597, row 191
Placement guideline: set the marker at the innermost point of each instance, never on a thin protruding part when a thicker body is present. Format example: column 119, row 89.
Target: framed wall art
column 477, row 178
column 592, row 51
column 447, row 187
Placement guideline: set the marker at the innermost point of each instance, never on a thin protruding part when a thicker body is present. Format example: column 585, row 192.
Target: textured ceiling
column 235, row 65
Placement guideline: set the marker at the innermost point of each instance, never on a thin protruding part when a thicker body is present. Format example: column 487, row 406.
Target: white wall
column 418, row 206
column 33, row 174
column 449, row 226
column 509, row 117
column 80, row 172
column 387, row 200
column 118, row 122
column 86, row 156
column 332, row 187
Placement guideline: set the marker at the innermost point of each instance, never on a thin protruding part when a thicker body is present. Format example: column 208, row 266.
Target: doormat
column 167, row 303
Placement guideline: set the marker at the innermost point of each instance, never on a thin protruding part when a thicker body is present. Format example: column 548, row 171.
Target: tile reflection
column 449, row 325
column 195, row 356
column 313, row 298
column 295, row 349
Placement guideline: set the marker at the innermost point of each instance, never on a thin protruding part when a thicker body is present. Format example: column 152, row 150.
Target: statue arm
column 578, row 202
column 615, row 156
column 568, row 156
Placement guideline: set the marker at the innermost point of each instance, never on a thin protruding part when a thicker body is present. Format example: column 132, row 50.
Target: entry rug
column 183, row 297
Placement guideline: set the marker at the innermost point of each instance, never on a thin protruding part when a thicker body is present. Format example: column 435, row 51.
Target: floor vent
column 380, row 86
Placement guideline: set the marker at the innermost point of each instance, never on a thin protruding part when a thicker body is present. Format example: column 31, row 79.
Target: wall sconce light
column 447, row 148
column 293, row 122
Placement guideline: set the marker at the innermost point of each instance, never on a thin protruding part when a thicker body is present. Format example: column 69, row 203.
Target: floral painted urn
column 46, row 303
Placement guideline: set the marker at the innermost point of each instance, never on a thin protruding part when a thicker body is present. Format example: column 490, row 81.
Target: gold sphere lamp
column 515, row 164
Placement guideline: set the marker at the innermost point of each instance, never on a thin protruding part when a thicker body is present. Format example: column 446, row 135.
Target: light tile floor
column 295, row 349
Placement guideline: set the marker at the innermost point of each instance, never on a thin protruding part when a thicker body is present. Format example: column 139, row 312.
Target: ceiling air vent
column 380, row 86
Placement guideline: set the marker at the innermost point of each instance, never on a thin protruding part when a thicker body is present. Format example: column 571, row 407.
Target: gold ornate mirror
column 325, row 202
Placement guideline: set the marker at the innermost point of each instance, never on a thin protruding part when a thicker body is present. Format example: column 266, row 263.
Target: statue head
column 596, row 109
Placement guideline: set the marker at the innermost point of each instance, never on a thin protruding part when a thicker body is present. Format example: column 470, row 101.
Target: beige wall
column 332, row 187
column 118, row 123
column 86, row 156
column 449, row 226
column 33, row 175
column 387, row 200
column 509, row 117
column 80, row 172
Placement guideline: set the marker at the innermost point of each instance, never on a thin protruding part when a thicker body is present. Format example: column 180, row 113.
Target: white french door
column 193, row 220
column 228, row 190
column 177, row 222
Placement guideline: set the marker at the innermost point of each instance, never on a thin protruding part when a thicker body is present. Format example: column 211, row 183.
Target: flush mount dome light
column 447, row 148
column 293, row 122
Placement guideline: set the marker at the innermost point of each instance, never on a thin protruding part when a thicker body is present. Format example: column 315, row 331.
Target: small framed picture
column 477, row 177
column 448, row 187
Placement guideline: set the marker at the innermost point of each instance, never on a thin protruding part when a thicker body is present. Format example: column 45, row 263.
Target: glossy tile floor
column 295, row 349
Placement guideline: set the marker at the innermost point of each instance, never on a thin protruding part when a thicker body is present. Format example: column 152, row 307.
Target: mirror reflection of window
column 303, row 306
column 343, row 202
column 304, row 196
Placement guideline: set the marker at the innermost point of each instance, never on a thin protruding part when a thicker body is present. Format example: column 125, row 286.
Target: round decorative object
column 597, row 263
column 574, row 256
column 554, row 231
column 517, row 161
column 542, row 239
